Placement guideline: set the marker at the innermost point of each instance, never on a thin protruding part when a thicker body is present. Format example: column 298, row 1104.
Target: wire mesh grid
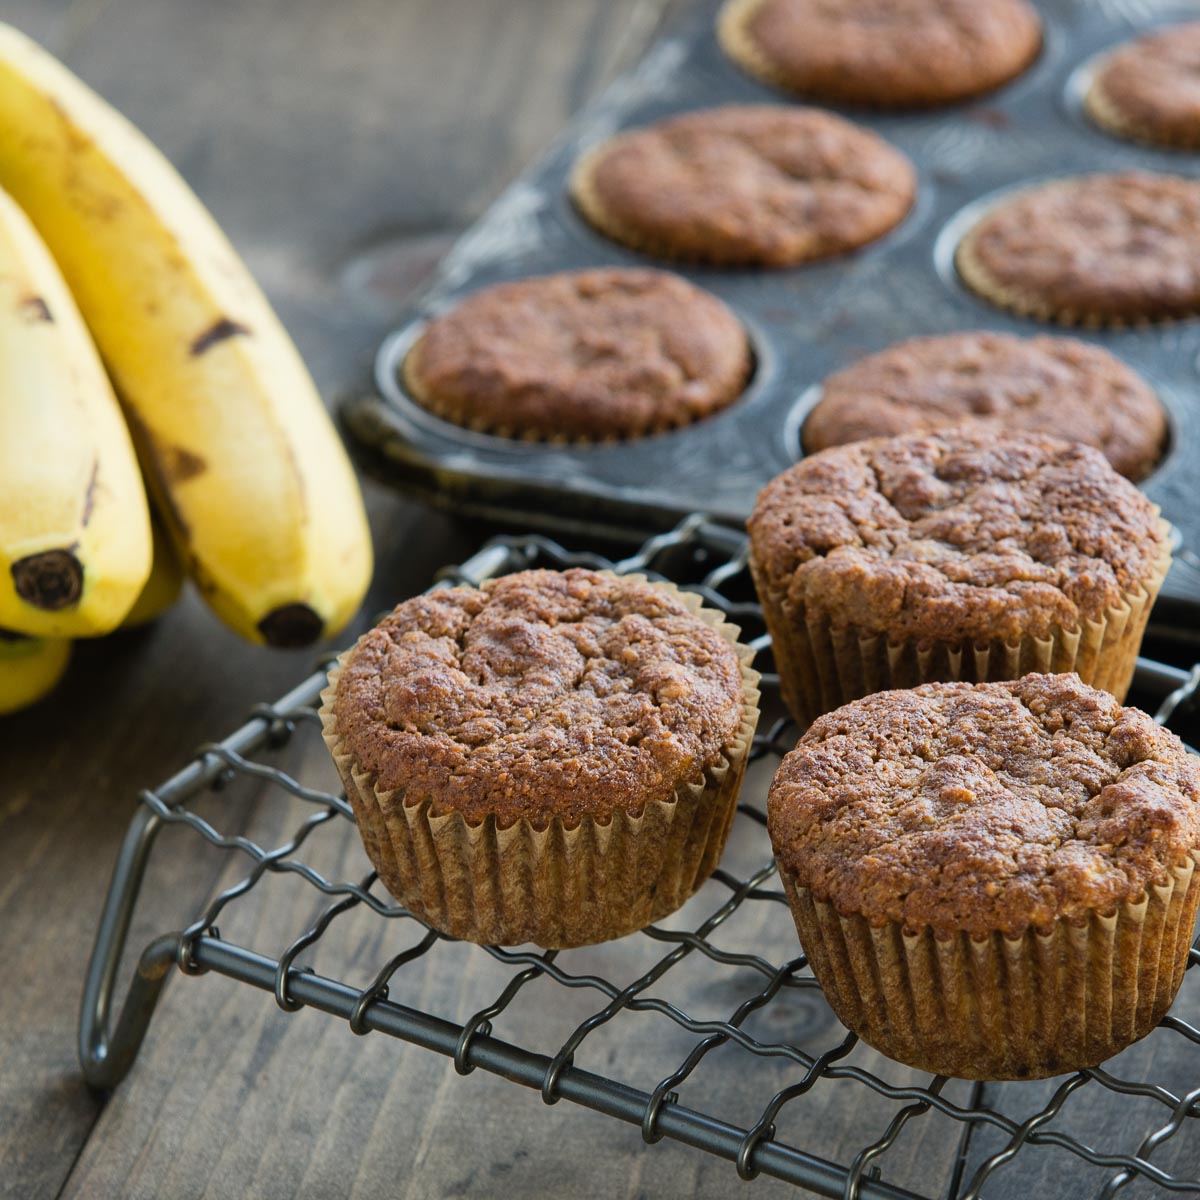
column 743, row 1059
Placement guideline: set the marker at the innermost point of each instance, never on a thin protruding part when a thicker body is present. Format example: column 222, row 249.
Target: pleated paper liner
column 559, row 886
column 998, row 1007
column 1028, row 304
column 822, row 665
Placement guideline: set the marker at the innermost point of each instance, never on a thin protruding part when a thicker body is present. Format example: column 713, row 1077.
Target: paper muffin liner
column 431, row 403
column 823, row 665
column 996, row 1007
column 1028, row 304
column 559, row 886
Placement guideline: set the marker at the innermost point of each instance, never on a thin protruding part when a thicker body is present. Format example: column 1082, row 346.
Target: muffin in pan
column 745, row 185
column 957, row 555
column 554, row 757
column 886, row 53
column 1054, row 385
column 994, row 881
column 581, row 356
column 1095, row 250
column 1149, row 89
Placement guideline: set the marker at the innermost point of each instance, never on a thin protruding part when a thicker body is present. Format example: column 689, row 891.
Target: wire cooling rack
column 709, row 1026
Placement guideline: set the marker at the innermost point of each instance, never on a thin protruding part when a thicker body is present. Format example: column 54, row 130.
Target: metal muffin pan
column 803, row 322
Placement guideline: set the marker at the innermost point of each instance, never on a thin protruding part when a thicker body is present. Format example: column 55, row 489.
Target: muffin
column 554, row 757
column 887, row 54
column 1058, row 386
column 952, row 556
column 583, row 356
column 1096, row 250
column 994, row 881
column 745, row 185
column 1149, row 90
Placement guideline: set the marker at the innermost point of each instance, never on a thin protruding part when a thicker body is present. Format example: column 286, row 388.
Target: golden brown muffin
column 553, row 757
column 586, row 356
column 1149, row 90
column 745, row 185
column 954, row 555
column 992, row 881
column 1091, row 250
column 882, row 53
column 1059, row 386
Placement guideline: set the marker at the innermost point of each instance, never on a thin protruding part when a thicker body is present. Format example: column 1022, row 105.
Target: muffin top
column 984, row 807
column 956, row 535
column 1150, row 88
column 540, row 695
column 889, row 53
column 766, row 185
column 1049, row 385
column 1091, row 249
column 581, row 355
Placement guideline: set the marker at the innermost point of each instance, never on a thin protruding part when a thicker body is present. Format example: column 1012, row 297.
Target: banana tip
column 51, row 580
column 291, row 626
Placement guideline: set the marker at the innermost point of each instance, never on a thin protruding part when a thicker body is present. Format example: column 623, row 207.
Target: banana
column 74, row 526
column 238, row 449
column 165, row 582
column 29, row 669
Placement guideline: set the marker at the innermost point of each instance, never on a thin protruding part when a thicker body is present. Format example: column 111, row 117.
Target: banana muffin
column 1149, row 90
column 1095, row 250
column 1058, row 386
column 958, row 555
column 885, row 53
column 584, row 356
column 745, row 185
column 994, row 881
column 553, row 757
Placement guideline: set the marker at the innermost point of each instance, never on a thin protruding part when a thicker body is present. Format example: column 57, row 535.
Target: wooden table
column 341, row 146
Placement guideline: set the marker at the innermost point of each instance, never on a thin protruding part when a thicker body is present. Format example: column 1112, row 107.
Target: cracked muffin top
column 985, row 807
column 581, row 355
column 540, row 695
column 748, row 185
column 1055, row 385
column 956, row 535
column 886, row 53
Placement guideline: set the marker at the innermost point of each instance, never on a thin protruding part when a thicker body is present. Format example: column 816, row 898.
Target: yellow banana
column 29, row 669
column 165, row 582
column 74, row 527
column 253, row 481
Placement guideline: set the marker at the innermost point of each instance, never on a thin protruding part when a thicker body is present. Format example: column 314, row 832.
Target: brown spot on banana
column 219, row 331
column 178, row 464
column 35, row 311
column 51, row 580
column 89, row 496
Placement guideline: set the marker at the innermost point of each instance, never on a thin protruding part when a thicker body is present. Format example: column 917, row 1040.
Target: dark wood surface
column 341, row 146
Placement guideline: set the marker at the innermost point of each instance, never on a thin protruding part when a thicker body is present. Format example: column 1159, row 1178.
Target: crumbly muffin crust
column 765, row 185
column 1093, row 249
column 956, row 536
column 541, row 695
column 984, row 808
column 886, row 53
column 1149, row 89
column 581, row 355
column 1053, row 385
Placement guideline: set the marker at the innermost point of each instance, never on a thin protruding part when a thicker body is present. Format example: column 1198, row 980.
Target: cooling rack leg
column 106, row 1059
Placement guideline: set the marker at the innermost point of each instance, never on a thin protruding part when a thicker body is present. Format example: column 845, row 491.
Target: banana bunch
column 134, row 345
